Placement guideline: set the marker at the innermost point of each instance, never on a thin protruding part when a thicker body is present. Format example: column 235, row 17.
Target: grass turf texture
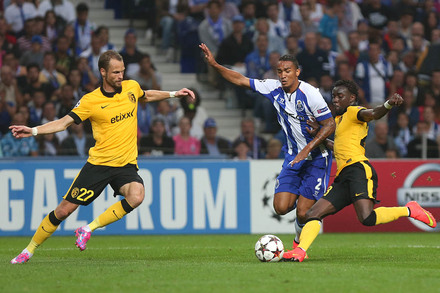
column 376, row 262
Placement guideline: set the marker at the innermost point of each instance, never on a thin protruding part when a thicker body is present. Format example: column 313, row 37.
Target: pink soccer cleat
column 420, row 214
column 82, row 237
column 23, row 257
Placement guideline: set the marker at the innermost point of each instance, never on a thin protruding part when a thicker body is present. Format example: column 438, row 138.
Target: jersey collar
column 111, row 94
column 290, row 95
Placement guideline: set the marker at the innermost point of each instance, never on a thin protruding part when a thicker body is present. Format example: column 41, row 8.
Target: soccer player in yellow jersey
column 356, row 179
column 112, row 111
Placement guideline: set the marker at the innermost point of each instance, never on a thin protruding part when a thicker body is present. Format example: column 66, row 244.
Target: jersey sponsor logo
column 131, row 97
column 295, row 116
column 426, row 196
column 122, row 116
column 103, row 107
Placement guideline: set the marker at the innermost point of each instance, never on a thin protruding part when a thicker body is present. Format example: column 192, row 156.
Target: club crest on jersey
column 299, row 106
column 131, row 97
column 75, row 192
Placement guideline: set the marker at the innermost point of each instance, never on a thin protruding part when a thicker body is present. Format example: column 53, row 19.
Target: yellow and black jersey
column 114, row 123
column 350, row 135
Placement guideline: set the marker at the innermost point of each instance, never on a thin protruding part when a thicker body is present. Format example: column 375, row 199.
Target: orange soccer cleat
column 298, row 255
column 295, row 245
column 420, row 214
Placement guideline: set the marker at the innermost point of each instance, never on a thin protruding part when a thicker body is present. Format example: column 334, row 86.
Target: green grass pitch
column 373, row 262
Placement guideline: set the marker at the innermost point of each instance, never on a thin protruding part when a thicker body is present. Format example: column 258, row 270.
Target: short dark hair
column 50, row 53
column 82, row 7
column 350, row 85
column 158, row 120
column 214, row 2
column 32, row 65
column 104, row 59
column 188, row 106
column 290, row 58
column 100, row 29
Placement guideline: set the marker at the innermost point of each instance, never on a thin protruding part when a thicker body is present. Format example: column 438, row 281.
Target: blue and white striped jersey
column 293, row 112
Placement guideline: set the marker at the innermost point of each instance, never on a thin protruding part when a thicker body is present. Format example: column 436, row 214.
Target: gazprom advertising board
column 180, row 198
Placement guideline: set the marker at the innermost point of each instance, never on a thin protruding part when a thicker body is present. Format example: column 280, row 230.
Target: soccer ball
column 269, row 248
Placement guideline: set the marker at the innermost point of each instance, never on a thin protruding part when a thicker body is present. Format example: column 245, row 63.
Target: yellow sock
column 49, row 224
column 386, row 215
column 309, row 233
column 95, row 224
column 32, row 246
column 115, row 212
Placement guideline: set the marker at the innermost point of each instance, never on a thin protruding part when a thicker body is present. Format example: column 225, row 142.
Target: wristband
column 387, row 105
column 34, row 131
column 172, row 94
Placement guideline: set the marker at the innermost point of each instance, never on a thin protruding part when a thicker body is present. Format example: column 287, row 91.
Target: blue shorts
column 308, row 178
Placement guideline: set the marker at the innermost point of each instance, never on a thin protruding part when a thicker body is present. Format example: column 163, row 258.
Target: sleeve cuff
column 323, row 117
column 252, row 83
column 75, row 117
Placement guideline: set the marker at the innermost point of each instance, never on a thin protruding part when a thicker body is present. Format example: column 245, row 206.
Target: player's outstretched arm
column 313, row 130
column 374, row 114
column 20, row 131
column 155, row 95
column 232, row 76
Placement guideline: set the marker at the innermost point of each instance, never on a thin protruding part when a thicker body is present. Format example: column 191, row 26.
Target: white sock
column 298, row 228
column 27, row 251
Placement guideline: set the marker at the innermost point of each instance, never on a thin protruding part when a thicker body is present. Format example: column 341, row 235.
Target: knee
column 62, row 213
column 284, row 202
column 312, row 214
column 136, row 197
column 370, row 220
column 280, row 209
column 301, row 215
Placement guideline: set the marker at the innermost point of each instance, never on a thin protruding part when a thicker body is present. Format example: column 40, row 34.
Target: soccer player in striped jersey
column 306, row 168
column 112, row 111
column 356, row 179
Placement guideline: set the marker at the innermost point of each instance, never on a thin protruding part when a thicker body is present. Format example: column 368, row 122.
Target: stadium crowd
column 50, row 51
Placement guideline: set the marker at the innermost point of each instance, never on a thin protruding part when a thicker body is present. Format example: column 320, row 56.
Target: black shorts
column 92, row 179
column 356, row 181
